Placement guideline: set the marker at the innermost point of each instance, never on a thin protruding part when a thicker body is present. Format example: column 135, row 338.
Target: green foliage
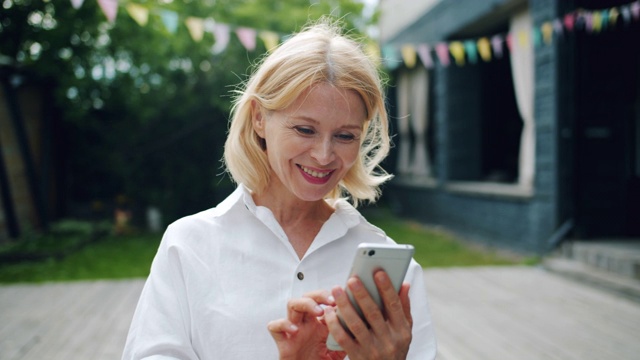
column 435, row 248
column 144, row 111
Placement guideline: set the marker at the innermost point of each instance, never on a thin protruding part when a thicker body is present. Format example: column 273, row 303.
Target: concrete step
column 609, row 264
column 620, row 257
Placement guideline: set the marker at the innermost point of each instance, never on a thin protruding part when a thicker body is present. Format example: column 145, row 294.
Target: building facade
column 517, row 122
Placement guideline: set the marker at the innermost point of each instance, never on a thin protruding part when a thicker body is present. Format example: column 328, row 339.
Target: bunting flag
column 109, row 8
column 463, row 51
column 221, row 33
column 247, row 37
column 138, row 13
column 409, row 56
column 270, row 39
column 77, row 4
column 196, row 28
column 467, row 51
column 170, row 20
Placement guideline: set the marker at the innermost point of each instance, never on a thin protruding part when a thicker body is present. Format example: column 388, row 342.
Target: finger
column 335, row 327
column 281, row 329
column 393, row 306
column 352, row 320
column 323, row 297
column 406, row 302
column 370, row 309
column 298, row 308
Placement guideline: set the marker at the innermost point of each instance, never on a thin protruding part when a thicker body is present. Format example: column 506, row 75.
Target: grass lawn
column 117, row 257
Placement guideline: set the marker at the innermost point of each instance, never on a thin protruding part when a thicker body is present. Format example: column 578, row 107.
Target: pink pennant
column 635, row 10
column 557, row 27
column 109, row 8
column 496, row 45
column 221, row 33
column 76, row 3
column 509, row 40
column 424, row 52
column 247, row 37
column 569, row 21
column 442, row 50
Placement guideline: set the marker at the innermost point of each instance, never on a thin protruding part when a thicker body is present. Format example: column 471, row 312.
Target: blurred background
column 516, row 130
column 516, row 123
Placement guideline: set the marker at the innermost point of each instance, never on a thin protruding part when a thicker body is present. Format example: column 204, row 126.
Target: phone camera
column 372, row 252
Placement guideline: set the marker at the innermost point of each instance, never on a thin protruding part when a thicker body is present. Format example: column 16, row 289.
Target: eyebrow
column 312, row 120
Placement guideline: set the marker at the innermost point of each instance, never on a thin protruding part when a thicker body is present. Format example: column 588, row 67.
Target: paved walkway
column 480, row 313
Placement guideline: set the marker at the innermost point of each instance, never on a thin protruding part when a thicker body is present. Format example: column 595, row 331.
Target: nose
column 323, row 152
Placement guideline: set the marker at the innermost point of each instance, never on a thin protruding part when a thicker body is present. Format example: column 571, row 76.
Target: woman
column 255, row 277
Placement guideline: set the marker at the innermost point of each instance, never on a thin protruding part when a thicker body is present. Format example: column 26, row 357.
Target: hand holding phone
column 394, row 259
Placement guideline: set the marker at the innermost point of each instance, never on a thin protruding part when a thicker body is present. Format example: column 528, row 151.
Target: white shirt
column 221, row 275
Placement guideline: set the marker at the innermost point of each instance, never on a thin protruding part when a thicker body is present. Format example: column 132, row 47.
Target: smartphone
column 394, row 259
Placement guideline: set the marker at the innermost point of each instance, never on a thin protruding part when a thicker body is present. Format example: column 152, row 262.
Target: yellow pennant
column 457, row 50
column 270, row 39
column 196, row 27
column 484, row 48
column 409, row 55
column 547, row 32
column 138, row 13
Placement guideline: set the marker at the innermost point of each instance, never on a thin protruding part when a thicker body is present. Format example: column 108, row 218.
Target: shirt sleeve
column 423, row 343
column 161, row 324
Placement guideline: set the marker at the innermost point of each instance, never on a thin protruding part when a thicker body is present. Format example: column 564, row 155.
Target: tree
column 145, row 110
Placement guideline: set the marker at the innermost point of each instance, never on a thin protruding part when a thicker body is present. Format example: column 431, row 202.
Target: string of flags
column 460, row 51
column 489, row 47
column 197, row 26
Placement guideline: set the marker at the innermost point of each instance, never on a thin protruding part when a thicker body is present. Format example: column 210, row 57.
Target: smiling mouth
column 314, row 173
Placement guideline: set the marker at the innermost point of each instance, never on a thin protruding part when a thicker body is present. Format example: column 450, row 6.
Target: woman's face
column 313, row 143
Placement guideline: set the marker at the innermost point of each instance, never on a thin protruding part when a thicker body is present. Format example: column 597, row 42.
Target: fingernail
column 318, row 309
column 331, row 300
column 293, row 327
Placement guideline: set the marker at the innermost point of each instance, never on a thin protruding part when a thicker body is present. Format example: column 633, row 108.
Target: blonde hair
column 318, row 54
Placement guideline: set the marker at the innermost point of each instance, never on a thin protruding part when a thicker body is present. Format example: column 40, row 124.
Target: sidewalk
column 479, row 313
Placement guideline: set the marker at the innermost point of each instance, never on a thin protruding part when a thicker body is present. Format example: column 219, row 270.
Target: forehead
column 325, row 100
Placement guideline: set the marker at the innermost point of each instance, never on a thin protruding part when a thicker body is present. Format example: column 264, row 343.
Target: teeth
column 315, row 173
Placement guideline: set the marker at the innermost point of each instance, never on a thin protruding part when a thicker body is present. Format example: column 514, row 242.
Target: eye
column 304, row 130
column 345, row 137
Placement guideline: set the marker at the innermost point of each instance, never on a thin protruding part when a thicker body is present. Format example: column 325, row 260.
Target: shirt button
column 300, row 276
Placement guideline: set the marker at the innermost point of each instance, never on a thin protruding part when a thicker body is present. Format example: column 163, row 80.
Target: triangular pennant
column 614, row 14
column 247, row 37
column 569, row 21
column 270, row 40
column 170, row 20
column 138, row 13
column 547, row 32
column 210, row 25
column 195, row 26
column 592, row 18
column 496, row 45
column 390, row 57
column 221, row 32
column 484, row 48
column 457, row 50
column 635, row 10
column 472, row 51
column 626, row 14
column 442, row 50
column 424, row 52
column 558, row 29
column 509, row 41
column 523, row 39
column 109, row 8
column 536, row 37
column 77, row 4
column 409, row 55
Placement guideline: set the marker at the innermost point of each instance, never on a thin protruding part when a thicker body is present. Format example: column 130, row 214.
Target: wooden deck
column 480, row 313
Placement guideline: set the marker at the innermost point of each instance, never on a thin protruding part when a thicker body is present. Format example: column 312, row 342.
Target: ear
column 257, row 118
